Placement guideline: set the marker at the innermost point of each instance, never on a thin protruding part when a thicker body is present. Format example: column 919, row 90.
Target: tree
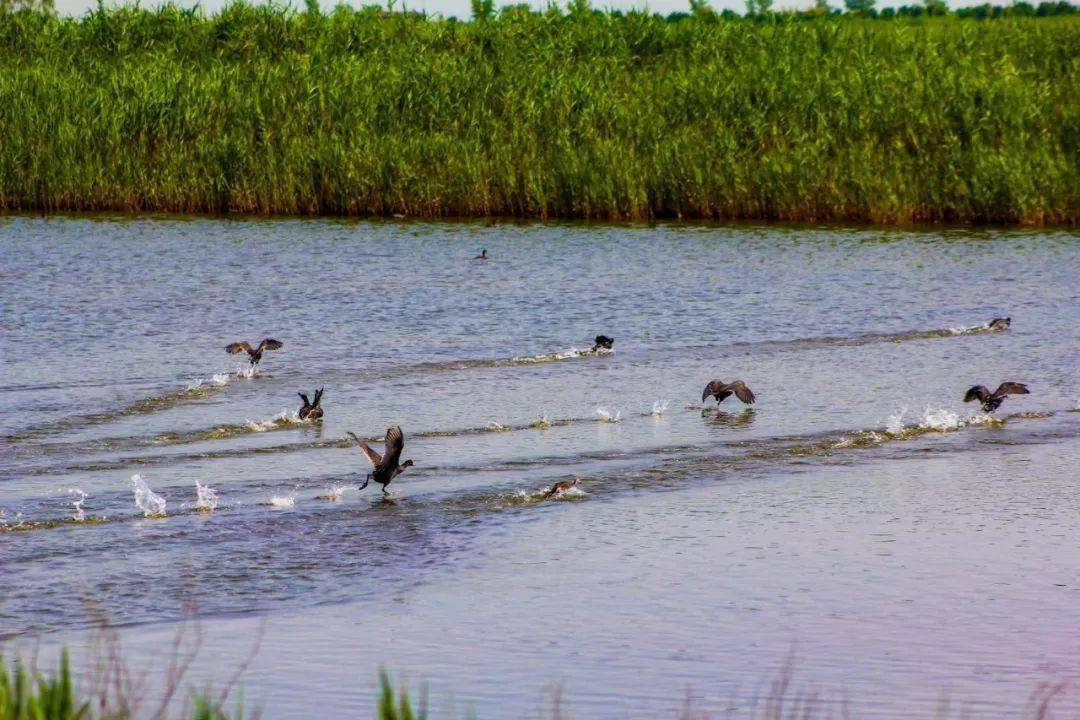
column 755, row 8
column 37, row 5
column 483, row 9
column 936, row 7
column 860, row 7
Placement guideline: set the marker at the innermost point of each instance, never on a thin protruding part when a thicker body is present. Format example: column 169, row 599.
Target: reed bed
column 579, row 114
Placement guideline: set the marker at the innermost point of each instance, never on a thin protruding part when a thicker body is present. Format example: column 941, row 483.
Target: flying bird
column 991, row 401
column 386, row 466
column 602, row 342
column 253, row 355
column 311, row 410
column 722, row 390
column 999, row 324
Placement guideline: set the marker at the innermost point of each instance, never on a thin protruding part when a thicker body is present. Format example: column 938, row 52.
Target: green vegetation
column 26, row 695
column 802, row 116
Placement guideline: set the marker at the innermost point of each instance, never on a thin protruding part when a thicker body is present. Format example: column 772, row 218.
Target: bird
column 991, row 401
column 311, row 410
column 482, row 256
column 999, row 324
column 602, row 342
column 559, row 488
column 722, row 390
column 386, row 466
column 254, row 355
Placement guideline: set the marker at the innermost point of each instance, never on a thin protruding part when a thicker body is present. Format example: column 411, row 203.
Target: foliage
column 587, row 114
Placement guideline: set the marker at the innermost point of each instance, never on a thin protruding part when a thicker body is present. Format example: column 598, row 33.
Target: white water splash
column 284, row 501
column 206, row 498
column 77, row 503
column 895, row 424
column 541, row 422
column 659, row 407
column 937, row 419
column 335, row 492
column 606, row 417
column 152, row 504
column 571, row 493
column 494, row 426
column 220, row 379
column 246, row 372
column 282, row 419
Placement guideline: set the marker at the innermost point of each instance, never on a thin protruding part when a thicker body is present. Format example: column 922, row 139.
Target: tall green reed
column 260, row 109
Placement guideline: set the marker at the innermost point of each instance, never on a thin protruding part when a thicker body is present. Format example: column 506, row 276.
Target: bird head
column 407, row 463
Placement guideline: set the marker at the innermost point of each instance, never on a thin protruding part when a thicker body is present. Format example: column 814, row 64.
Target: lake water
column 860, row 529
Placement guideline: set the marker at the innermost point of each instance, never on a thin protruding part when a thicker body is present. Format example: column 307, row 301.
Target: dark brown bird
column 991, row 401
column 561, row 487
column 722, row 390
column 999, row 324
column 386, row 465
column 482, row 256
column 602, row 342
column 311, row 410
column 254, row 355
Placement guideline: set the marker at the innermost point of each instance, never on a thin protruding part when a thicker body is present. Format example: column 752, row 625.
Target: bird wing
column 307, row 403
column 318, row 396
column 742, row 392
column 395, row 441
column 1011, row 388
column 711, row 389
column 979, row 392
column 373, row 456
column 271, row 344
column 237, row 347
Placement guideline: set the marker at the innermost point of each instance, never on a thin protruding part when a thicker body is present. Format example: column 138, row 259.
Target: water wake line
column 203, row 387
column 732, row 456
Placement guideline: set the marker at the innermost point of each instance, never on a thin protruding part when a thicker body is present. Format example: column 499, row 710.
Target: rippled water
column 859, row 524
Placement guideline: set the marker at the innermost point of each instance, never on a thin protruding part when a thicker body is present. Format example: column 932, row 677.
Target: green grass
column 31, row 695
column 578, row 115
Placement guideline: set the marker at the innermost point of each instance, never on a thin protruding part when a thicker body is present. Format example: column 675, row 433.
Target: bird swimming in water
column 999, row 324
column 602, row 342
column 386, row 465
column 991, row 401
column 482, row 256
column 253, row 355
column 311, row 410
column 560, row 488
column 722, row 390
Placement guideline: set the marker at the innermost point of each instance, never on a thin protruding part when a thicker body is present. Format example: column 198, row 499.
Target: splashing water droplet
column 206, row 498
column 606, row 417
column 659, row 407
column 152, row 504
column 284, row 501
column 77, row 503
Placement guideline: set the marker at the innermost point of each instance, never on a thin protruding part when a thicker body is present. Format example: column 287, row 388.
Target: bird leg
column 366, row 481
column 385, row 491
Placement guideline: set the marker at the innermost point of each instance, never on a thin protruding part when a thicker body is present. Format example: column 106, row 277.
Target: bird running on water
column 602, row 342
column 999, row 324
column 311, row 410
column 722, row 390
column 561, row 488
column 253, row 355
column 386, row 465
column 991, row 401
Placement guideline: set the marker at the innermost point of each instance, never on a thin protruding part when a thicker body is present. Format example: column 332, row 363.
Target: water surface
column 859, row 524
